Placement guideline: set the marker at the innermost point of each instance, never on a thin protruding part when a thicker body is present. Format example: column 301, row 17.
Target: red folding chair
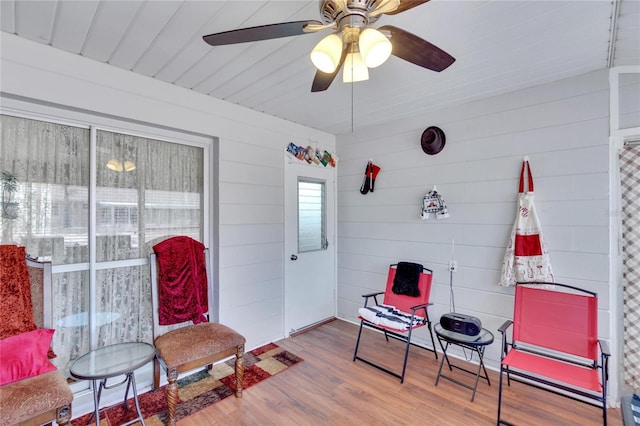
column 555, row 344
column 397, row 316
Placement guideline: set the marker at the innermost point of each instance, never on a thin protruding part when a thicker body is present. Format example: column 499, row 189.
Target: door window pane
column 311, row 216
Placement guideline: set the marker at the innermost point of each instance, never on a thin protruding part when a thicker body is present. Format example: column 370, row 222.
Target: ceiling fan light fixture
column 354, row 68
column 114, row 165
column 119, row 166
column 129, row 166
column 348, row 20
column 326, row 55
column 374, row 47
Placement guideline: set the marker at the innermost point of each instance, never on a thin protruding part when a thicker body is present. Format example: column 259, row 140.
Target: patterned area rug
column 200, row 389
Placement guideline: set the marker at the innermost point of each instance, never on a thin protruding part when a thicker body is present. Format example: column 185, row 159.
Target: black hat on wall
column 432, row 140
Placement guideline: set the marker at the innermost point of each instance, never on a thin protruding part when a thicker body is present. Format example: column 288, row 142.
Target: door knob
column 294, row 257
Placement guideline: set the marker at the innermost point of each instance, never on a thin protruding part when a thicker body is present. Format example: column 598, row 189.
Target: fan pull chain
column 351, row 107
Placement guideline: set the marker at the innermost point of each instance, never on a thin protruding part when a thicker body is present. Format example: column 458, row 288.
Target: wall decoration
column 433, row 203
column 370, row 175
column 432, row 140
column 311, row 155
column 526, row 257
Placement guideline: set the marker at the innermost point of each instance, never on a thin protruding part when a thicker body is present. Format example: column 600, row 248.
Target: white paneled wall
column 629, row 98
column 250, row 168
column 562, row 127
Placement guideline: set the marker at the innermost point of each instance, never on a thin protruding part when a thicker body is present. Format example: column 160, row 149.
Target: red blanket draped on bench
column 16, row 310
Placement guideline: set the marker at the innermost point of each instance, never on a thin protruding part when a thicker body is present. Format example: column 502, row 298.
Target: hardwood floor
column 328, row 388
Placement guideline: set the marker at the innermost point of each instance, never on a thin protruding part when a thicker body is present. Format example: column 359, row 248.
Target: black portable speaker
column 463, row 324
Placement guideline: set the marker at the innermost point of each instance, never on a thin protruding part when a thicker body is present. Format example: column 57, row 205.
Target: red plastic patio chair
column 398, row 315
column 555, row 344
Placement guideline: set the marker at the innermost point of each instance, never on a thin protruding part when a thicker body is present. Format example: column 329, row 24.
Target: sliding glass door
column 94, row 201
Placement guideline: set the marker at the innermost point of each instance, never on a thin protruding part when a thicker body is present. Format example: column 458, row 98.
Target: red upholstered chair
column 43, row 395
column 183, row 336
column 554, row 344
column 398, row 315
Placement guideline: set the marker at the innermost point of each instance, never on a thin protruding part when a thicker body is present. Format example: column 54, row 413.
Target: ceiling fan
column 353, row 45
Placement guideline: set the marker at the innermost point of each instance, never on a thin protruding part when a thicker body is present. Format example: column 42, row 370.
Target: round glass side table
column 110, row 361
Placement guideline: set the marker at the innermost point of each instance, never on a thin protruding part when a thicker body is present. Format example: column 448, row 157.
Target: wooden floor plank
column 328, row 388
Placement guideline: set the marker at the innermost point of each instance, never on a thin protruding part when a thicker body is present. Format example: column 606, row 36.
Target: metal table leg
column 135, row 397
column 130, row 379
column 480, row 366
column 478, row 375
column 96, row 401
column 444, row 357
column 131, row 382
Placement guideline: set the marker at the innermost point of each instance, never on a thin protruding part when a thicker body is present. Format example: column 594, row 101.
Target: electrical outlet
column 453, row 266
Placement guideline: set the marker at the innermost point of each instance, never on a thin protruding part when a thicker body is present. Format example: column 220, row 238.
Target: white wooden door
column 310, row 266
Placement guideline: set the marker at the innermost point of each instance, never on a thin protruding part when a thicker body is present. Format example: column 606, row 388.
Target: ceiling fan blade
column 262, row 32
column 386, row 6
column 323, row 80
column 406, row 5
column 413, row 49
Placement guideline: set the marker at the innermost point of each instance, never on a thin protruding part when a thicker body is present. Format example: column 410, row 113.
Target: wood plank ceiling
column 499, row 46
